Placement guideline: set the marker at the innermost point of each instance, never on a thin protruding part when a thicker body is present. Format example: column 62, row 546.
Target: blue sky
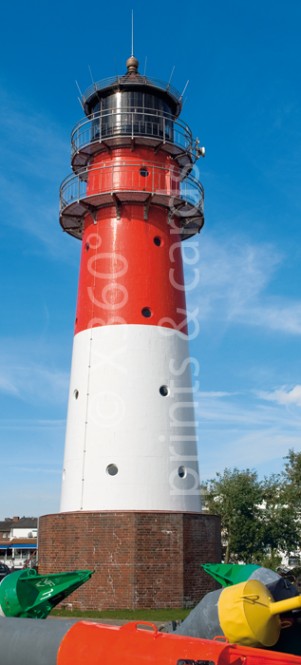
column 244, row 103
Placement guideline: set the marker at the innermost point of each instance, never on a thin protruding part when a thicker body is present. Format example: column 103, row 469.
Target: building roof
column 18, row 523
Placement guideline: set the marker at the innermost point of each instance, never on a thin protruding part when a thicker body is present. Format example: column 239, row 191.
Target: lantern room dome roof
column 132, row 80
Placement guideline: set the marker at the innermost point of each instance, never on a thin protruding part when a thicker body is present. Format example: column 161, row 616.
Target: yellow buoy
column 248, row 614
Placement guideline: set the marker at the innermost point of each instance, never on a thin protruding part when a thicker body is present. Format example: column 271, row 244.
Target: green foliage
column 291, row 477
column 280, row 530
column 259, row 519
column 272, row 561
column 236, row 496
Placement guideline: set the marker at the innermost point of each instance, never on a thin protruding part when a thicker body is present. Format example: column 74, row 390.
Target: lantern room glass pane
column 132, row 112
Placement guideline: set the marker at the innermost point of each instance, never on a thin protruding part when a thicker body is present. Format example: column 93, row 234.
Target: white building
column 18, row 541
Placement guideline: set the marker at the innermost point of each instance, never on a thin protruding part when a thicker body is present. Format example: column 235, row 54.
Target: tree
column 291, row 482
column 291, row 478
column 279, row 526
column 260, row 519
column 236, row 496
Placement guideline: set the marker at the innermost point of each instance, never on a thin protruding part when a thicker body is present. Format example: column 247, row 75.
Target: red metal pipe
column 141, row 643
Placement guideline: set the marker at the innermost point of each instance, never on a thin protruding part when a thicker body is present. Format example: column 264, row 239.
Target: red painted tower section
column 130, row 505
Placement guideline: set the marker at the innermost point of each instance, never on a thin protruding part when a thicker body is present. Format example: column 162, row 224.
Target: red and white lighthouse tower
column 130, row 441
column 130, row 449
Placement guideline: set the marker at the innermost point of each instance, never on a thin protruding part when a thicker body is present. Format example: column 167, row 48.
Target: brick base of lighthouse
column 141, row 560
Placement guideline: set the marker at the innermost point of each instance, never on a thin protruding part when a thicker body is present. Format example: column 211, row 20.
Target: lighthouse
column 130, row 463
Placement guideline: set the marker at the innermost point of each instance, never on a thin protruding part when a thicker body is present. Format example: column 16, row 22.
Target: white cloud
column 215, row 393
column 6, row 385
column 32, row 144
column 244, row 411
column 29, row 371
column 244, row 431
column 33, row 382
column 284, row 395
column 30, row 425
column 34, row 158
column 260, row 449
column 235, row 282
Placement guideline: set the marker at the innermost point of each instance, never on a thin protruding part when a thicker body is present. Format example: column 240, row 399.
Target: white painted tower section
column 129, row 447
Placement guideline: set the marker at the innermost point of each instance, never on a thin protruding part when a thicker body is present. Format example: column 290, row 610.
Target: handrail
column 145, row 110
column 160, row 181
column 134, row 123
column 129, row 81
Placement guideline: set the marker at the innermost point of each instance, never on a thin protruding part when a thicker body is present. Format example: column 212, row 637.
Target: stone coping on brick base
column 141, row 559
column 126, row 512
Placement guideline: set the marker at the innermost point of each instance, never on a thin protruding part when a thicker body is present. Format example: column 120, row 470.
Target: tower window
column 164, row 391
column 182, row 472
column 157, row 241
column 112, row 469
column 147, row 312
column 144, row 171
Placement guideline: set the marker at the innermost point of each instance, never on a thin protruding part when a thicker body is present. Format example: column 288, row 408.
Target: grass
column 130, row 615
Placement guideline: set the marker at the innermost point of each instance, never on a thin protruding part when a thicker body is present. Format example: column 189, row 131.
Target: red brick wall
column 141, row 560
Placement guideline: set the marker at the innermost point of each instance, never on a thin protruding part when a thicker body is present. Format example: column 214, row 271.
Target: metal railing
column 126, row 80
column 165, row 185
column 132, row 123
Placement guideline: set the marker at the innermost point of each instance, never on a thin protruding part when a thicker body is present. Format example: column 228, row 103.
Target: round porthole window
column 144, row 171
column 164, row 391
column 147, row 312
column 112, row 469
column 157, row 241
column 75, row 393
column 182, row 472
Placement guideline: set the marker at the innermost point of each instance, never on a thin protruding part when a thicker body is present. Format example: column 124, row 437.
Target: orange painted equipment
column 141, row 643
